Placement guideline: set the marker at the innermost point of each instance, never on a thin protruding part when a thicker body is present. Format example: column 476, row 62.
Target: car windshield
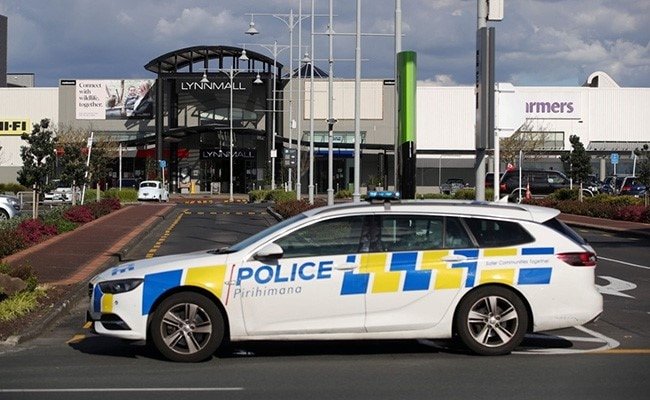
column 148, row 184
column 260, row 235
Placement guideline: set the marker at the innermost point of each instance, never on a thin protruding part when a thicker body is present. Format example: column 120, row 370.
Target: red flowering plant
column 33, row 231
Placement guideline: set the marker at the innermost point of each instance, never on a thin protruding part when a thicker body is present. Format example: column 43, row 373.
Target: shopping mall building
column 203, row 101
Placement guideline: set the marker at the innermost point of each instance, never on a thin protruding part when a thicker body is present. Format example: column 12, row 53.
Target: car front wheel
column 187, row 327
column 4, row 215
column 491, row 321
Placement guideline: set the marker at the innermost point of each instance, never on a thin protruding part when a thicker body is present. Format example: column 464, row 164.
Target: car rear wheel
column 187, row 327
column 491, row 321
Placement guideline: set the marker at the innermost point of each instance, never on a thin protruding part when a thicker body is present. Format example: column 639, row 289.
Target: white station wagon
column 483, row 272
column 152, row 190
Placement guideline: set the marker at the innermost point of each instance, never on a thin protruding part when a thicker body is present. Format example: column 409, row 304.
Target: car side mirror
column 271, row 251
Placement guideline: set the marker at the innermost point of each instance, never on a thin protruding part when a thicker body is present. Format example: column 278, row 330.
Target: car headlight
column 119, row 286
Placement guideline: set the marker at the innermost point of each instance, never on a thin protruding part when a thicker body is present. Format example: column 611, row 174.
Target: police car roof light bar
column 384, row 195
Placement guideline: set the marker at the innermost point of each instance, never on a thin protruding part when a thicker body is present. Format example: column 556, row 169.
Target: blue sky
column 539, row 42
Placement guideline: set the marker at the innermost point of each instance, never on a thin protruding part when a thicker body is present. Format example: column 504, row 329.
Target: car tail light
column 626, row 188
column 584, row 259
column 503, row 187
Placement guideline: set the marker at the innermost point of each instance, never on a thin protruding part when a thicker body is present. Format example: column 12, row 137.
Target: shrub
column 564, row 194
column 280, row 196
column 79, row 214
column 91, row 195
column 11, row 188
column 33, row 231
column 635, row 213
column 430, row 196
column 19, row 304
column 55, row 217
column 112, row 203
column 103, row 207
column 257, row 196
column 126, row 195
column 294, row 207
column 10, row 242
column 343, row 194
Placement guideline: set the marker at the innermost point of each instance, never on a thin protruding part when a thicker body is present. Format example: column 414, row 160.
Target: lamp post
column 290, row 20
column 275, row 50
column 330, row 108
column 230, row 73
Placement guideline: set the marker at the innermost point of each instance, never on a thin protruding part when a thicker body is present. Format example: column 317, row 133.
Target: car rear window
column 495, row 233
column 561, row 227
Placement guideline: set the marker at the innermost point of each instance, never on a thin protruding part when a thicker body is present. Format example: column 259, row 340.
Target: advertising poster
column 114, row 99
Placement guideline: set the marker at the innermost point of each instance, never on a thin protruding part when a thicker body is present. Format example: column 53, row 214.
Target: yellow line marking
column 623, row 351
column 76, row 339
column 88, row 325
column 152, row 252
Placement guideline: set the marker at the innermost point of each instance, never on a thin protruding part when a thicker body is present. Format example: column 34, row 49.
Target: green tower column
column 406, row 89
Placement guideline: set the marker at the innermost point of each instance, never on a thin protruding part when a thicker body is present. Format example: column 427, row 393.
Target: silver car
column 9, row 207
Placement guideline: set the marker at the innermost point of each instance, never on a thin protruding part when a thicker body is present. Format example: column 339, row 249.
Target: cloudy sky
column 539, row 42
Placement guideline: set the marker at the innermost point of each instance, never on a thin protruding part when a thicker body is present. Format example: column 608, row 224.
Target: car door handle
column 346, row 266
column 454, row 258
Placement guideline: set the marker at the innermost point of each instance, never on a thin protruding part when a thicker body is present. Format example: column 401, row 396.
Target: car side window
column 328, row 237
column 495, row 233
column 556, row 178
column 414, row 232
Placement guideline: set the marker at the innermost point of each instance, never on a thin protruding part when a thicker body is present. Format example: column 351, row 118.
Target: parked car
column 486, row 273
column 631, row 186
column 539, row 182
column 152, row 190
column 9, row 207
column 61, row 193
column 452, row 185
column 593, row 184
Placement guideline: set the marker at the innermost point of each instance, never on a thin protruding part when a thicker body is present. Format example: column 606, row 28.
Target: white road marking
column 615, row 287
column 90, row 390
column 608, row 343
column 623, row 262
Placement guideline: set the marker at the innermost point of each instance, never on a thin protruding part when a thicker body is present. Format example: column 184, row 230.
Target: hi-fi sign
column 14, row 126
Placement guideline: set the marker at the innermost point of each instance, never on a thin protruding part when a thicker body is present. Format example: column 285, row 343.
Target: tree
column 73, row 160
column 643, row 168
column 38, row 159
column 577, row 161
column 75, row 153
column 526, row 139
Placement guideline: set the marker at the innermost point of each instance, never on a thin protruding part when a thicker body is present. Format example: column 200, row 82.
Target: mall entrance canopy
column 194, row 86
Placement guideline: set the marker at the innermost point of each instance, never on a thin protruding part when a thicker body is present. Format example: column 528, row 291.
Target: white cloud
column 539, row 42
column 440, row 80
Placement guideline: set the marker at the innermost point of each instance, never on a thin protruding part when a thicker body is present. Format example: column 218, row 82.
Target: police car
column 483, row 272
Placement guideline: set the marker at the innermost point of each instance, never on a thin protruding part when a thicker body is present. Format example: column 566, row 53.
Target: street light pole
column 230, row 73
column 398, row 49
column 273, row 151
column 330, row 109
column 356, row 196
column 300, row 88
column 311, row 111
column 231, row 77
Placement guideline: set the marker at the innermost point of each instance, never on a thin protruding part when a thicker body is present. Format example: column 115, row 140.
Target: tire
column 187, row 327
column 491, row 321
column 4, row 215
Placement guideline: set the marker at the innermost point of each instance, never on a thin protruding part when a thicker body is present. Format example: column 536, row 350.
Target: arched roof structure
column 186, row 60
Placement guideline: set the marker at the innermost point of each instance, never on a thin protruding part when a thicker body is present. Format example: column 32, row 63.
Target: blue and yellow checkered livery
column 428, row 270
